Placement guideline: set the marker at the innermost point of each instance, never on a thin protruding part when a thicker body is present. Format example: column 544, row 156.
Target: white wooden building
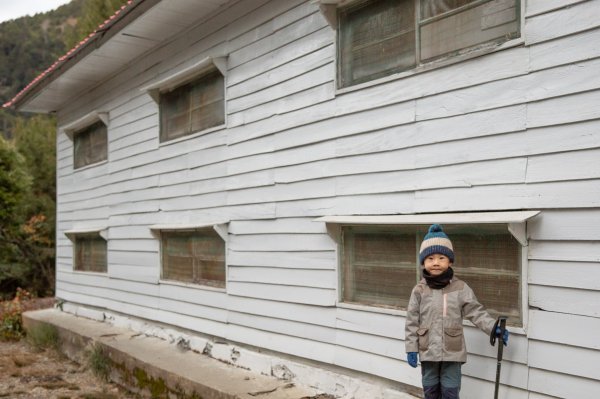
column 259, row 171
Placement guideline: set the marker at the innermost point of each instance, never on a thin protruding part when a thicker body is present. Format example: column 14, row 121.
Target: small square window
column 90, row 145
column 382, row 37
column 192, row 107
column 90, row 253
column 380, row 265
column 196, row 257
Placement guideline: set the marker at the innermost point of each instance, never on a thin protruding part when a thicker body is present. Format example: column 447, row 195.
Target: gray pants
column 441, row 380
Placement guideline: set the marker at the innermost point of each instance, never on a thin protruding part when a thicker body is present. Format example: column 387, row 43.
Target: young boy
column 436, row 309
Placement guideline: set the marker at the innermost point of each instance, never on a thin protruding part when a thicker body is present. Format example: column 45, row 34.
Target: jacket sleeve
column 475, row 312
column 411, row 339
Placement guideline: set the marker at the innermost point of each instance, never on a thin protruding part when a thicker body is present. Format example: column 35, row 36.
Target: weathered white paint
column 564, row 359
column 514, row 130
column 565, row 224
column 535, row 7
column 562, row 385
column 564, row 328
column 562, row 22
column 565, row 300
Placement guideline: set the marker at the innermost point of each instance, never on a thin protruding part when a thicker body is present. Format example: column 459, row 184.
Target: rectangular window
column 192, row 107
column 90, row 145
column 380, row 265
column 381, row 37
column 90, row 253
column 196, row 257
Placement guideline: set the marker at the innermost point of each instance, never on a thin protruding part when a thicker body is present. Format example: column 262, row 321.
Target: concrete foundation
column 161, row 362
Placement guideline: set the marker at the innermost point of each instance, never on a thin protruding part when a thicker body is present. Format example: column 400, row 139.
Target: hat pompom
column 435, row 228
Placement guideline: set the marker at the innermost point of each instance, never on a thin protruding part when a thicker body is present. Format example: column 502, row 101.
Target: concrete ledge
column 154, row 368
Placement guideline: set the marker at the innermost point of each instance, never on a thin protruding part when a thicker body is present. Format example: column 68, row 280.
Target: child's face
column 437, row 264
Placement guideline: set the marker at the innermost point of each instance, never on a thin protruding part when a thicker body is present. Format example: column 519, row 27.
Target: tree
column 15, row 185
column 28, row 45
column 35, row 140
column 93, row 13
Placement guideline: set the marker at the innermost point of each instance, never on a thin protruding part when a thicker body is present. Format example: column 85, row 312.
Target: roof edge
column 105, row 31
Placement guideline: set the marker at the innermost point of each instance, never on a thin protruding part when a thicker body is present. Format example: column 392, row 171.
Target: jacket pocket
column 453, row 339
column 423, row 338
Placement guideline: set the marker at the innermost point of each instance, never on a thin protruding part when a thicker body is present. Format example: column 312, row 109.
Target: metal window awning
column 84, row 122
column 514, row 219
column 73, row 233
column 221, row 227
column 180, row 77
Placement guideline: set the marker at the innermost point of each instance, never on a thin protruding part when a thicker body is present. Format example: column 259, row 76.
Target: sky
column 11, row 9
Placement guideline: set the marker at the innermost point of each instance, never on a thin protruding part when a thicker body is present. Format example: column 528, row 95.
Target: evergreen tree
column 93, row 13
column 15, row 186
column 35, row 140
column 28, row 46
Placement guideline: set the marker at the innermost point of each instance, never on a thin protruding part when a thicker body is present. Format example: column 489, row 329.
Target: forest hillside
column 28, row 46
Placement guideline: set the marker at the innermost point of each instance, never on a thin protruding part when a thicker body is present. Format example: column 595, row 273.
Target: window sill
column 191, row 285
column 398, row 312
column 193, row 135
column 436, row 64
column 371, row 309
column 90, row 273
column 92, row 165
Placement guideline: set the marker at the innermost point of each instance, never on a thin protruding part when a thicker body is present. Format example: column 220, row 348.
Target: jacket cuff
column 411, row 347
column 490, row 327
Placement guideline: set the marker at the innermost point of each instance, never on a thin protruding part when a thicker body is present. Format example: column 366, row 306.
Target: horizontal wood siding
column 514, row 129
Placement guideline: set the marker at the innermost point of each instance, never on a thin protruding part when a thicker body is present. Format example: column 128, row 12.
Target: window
column 90, row 145
column 380, row 265
column 90, row 253
column 192, row 107
column 193, row 256
column 382, row 37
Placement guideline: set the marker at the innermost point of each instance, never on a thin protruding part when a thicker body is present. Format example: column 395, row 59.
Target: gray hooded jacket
column 434, row 321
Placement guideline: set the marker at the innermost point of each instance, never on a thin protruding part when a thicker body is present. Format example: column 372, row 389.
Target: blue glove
column 412, row 358
column 504, row 336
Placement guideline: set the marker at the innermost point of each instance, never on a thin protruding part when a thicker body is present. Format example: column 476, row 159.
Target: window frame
column 73, row 235
column 221, row 228
column 515, row 222
column 78, row 126
column 331, row 8
column 181, row 77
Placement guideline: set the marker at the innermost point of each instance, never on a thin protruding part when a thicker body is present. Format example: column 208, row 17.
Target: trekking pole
column 502, row 321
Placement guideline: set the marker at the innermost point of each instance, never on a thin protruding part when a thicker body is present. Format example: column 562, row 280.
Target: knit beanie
column 436, row 242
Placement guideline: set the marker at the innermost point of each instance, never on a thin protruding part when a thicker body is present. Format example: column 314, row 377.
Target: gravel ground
column 31, row 374
column 27, row 373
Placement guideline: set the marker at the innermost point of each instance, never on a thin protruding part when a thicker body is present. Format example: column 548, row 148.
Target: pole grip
column 502, row 320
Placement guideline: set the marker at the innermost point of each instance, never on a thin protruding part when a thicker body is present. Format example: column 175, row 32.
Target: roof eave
column 94, row 41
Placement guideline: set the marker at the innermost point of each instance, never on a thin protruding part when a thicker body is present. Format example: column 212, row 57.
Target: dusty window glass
column 90, row 145
column 196, row 257
column 377, row 38
column 90, row 253
column 380, row 265
column 192, row 107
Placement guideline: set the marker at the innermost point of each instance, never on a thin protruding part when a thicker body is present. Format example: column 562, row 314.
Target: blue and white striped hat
column 436, row 242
